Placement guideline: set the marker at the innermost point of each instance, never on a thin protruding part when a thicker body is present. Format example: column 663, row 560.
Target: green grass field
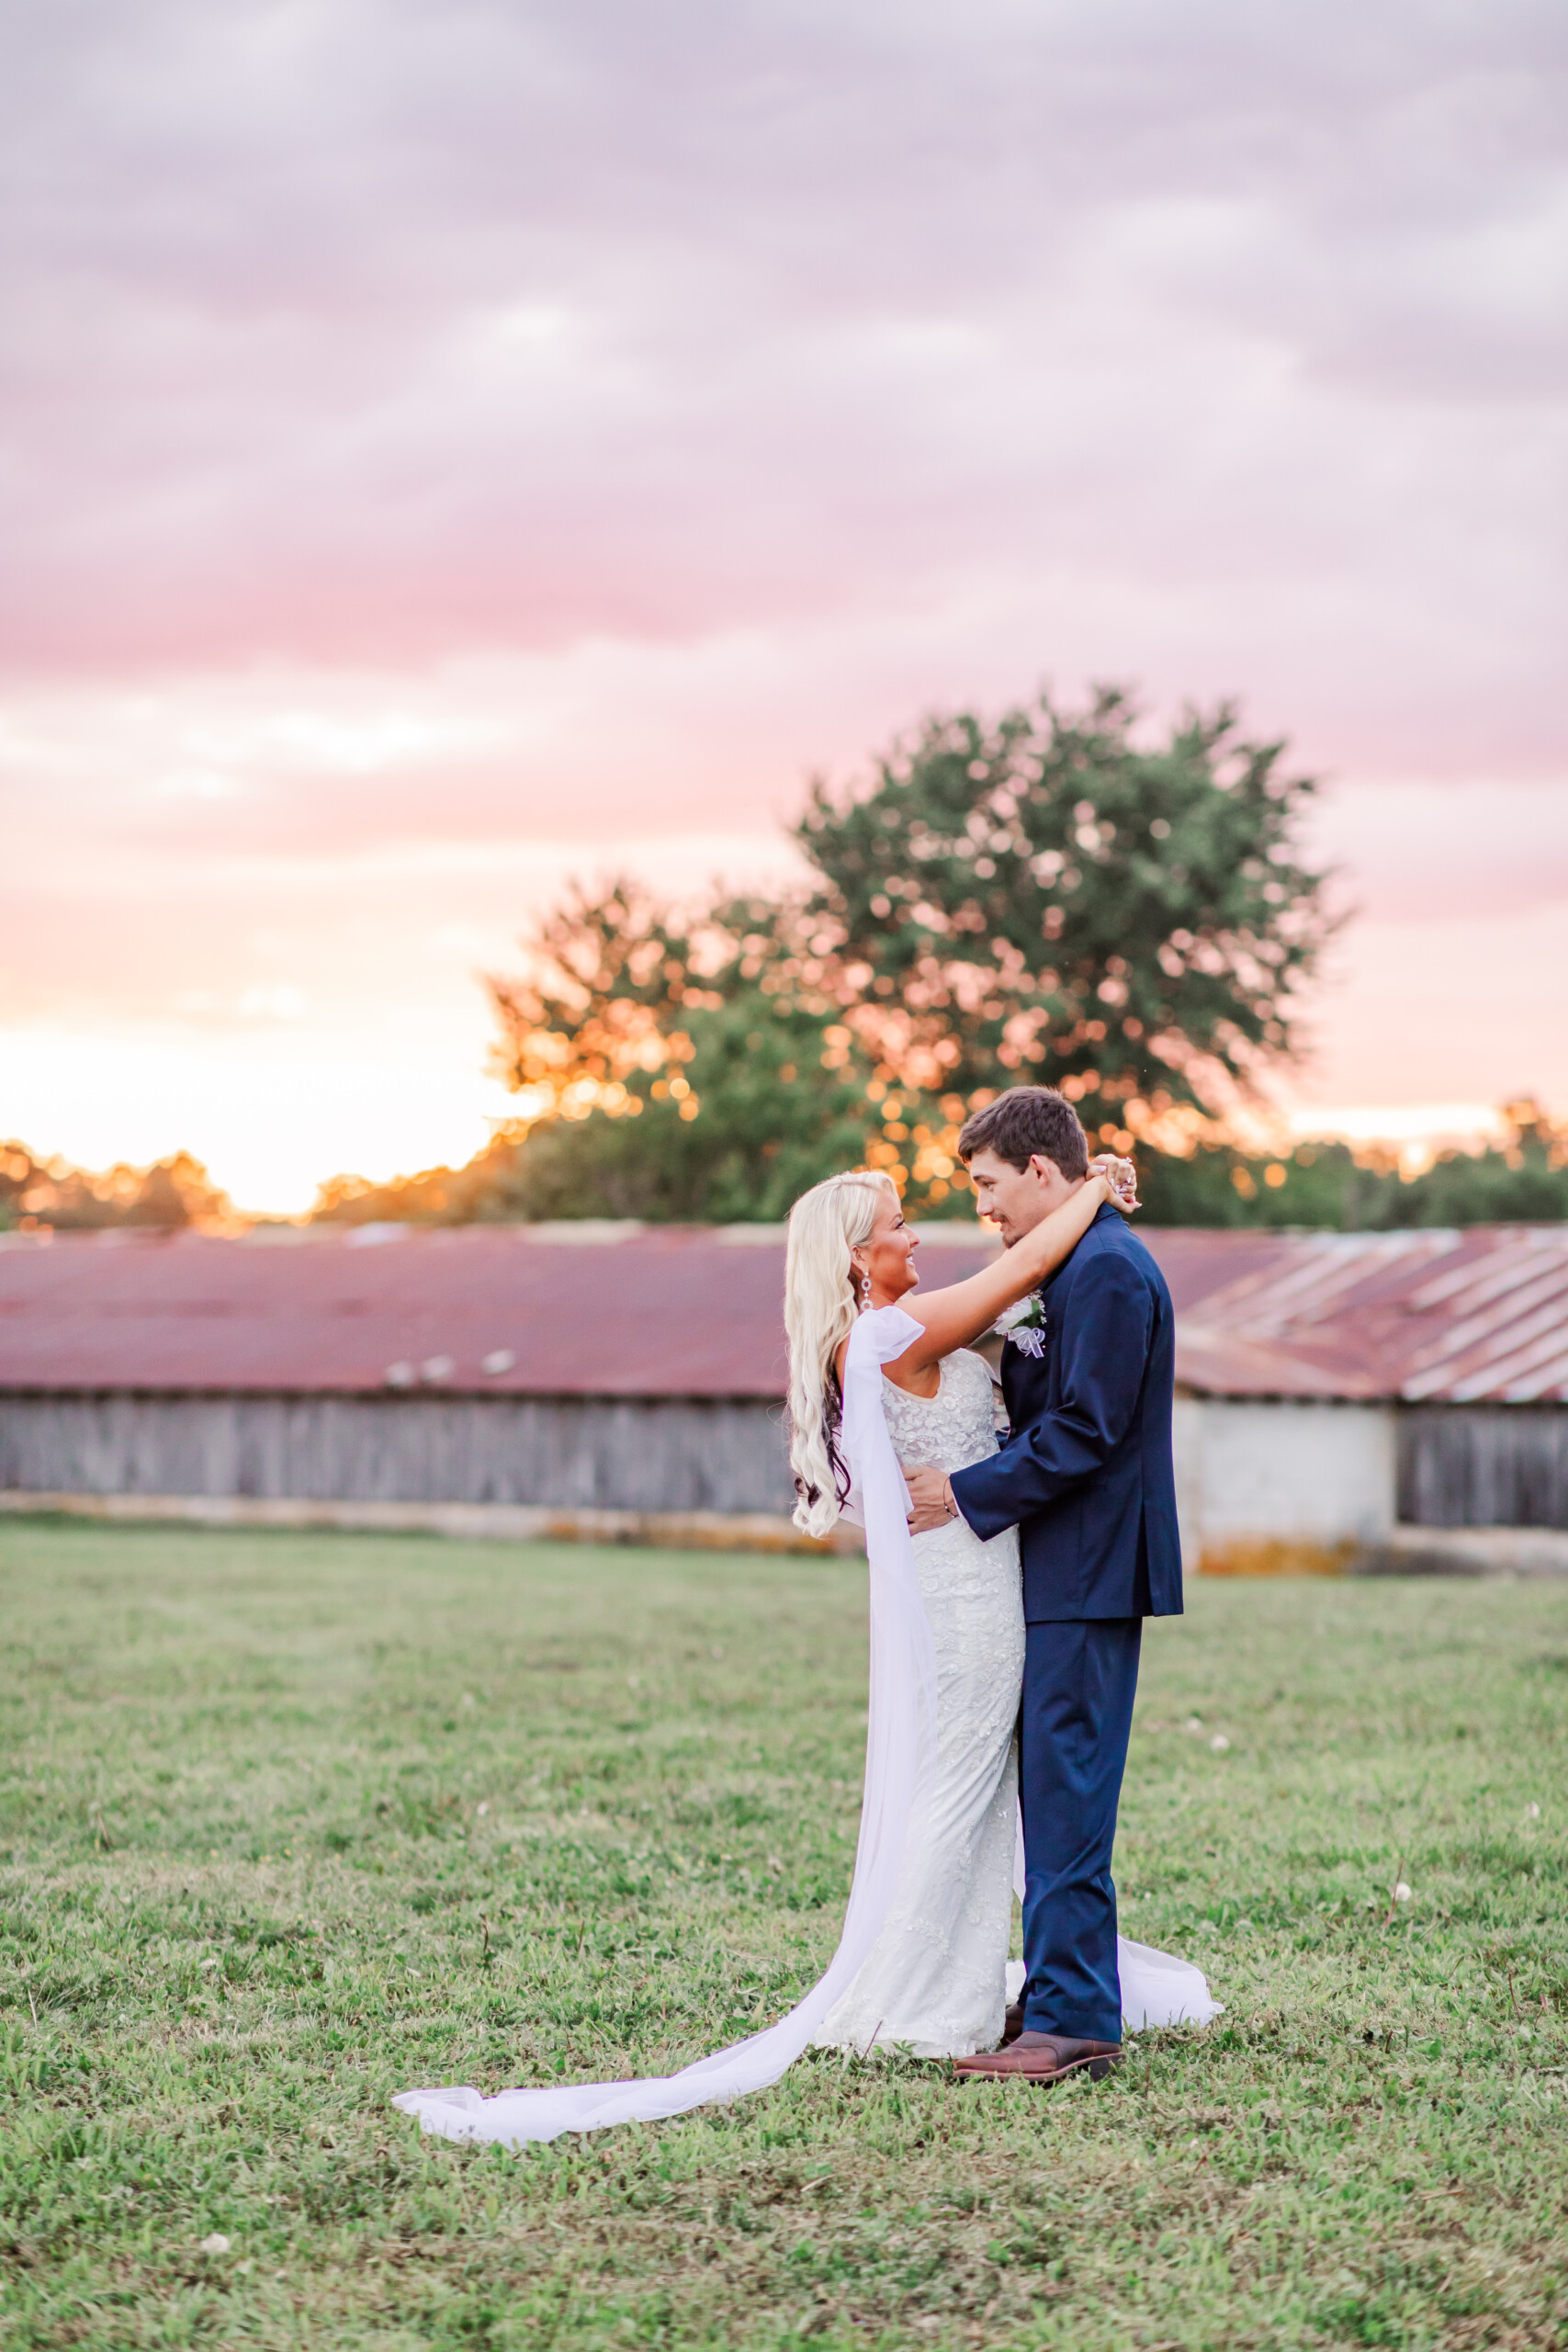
column 288, row 1824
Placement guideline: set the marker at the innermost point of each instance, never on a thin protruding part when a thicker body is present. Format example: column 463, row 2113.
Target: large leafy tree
column 715, row 1064
column 1043, row 894
column 1039, row 896
column 1046, row 897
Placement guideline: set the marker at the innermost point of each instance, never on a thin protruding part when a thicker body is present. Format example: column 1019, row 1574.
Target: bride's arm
column 960, row 1313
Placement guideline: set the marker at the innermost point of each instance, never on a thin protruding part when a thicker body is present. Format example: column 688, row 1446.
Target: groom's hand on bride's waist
column 930, row 1497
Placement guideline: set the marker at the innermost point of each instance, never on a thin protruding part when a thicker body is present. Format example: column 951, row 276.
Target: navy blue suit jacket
column 1086, row 1476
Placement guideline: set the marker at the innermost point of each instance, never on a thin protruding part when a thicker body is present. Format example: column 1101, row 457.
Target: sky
column 445, row 450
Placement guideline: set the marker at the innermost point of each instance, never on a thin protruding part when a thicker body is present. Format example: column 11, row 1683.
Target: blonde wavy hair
column 820, row 1305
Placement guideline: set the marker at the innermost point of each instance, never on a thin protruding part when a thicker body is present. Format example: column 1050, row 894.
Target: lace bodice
column 951, row 1430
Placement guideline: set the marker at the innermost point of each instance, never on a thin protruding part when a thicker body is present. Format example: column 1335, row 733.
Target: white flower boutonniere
column 1024, row 1324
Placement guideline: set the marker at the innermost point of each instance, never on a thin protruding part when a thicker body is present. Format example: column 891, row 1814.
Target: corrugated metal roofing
column 668, row 1311
column 1479, row 1315
column 688, row 1311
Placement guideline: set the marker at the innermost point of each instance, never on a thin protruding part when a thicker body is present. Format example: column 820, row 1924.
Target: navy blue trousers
column 1079, row 1683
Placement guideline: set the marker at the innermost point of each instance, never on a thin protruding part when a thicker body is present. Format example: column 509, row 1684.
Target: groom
column 1086, row 1477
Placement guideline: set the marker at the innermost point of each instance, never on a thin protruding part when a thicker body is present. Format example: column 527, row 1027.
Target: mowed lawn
column 291, row 1823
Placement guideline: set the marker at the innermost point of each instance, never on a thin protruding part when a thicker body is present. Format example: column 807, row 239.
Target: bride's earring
column 864, row 1292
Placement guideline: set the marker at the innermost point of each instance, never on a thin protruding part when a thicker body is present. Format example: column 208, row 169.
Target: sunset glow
column 449, row 453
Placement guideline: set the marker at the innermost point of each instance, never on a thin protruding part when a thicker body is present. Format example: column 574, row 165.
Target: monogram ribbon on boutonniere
column 1024, row 1324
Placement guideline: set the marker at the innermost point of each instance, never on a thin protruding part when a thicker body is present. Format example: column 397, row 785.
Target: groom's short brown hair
column 1023, row 1121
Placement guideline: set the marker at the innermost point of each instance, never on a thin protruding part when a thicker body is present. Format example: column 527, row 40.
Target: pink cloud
column 359, row 336
column 442, row 448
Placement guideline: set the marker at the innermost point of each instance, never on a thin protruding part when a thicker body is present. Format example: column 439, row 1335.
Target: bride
column 923, row 1956
column 934, row 1982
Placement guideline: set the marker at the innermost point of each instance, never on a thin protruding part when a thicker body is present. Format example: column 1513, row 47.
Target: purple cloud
column 440, row 445
column 368, row 336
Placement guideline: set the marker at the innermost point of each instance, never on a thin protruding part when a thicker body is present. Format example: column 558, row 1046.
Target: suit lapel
column 1026, row 1380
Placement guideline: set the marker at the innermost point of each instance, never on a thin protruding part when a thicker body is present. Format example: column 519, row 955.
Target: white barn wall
column 1187, row 1449
column 1281, row 1485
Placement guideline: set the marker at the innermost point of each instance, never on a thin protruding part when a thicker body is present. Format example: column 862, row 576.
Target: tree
column 1036, row 896
column 1041, row 898
column 678, row 1068
column 1523, row 1180
column 174, row 1191
column 1041, row 895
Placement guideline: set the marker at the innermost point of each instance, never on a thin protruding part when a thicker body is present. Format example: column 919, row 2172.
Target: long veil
column 900, row 1737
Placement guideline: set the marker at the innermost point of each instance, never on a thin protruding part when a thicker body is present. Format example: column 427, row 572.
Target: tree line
column 1050, row 895
column 175, row 1192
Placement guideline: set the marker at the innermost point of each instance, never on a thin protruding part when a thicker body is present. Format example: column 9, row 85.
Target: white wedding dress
column 910, row 1761
column 935, row 1982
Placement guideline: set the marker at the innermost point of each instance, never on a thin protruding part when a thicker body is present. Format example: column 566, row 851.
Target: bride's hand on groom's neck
column 1119, row 1179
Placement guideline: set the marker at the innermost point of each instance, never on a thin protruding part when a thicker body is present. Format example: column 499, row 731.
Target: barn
column 396, row 1374
column 1346, row 1400
column 1372, row 1400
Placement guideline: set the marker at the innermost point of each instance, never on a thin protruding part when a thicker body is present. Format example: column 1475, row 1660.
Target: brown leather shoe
column 1043, row 2058
column 1012, row 2024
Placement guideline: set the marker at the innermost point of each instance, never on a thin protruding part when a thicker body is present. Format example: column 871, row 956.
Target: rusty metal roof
column 1468, row 1317
column 588, row 1310
column 510, row 1309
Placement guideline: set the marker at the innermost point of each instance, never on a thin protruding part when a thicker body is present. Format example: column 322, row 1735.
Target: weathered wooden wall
column 608, row 1453
column 1458, row 1465
column 1483, row 1465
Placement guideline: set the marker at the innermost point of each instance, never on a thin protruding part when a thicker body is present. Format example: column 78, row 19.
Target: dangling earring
column 864, row 1293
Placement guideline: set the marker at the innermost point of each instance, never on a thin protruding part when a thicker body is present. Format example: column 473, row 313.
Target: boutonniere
column 1024, row 1324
